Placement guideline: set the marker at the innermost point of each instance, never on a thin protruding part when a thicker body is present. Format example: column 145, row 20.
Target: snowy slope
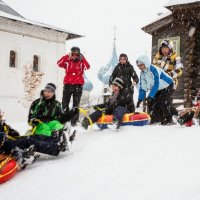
column 152, row 162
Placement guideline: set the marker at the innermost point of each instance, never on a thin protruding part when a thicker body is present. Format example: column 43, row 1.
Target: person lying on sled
column 119, row 103
column 190, row 116
column 47, row 145
column 24, row 157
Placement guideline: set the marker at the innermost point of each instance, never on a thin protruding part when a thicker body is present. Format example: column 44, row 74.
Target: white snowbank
column 142, row 163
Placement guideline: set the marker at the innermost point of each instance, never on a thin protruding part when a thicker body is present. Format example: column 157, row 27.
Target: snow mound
column 152, row 162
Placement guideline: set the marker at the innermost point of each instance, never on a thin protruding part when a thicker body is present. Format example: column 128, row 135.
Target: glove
column 138, row 103
column 75, row 111
column 173, row 74
column 149, row 99
column 96, row 107
column 34, row 122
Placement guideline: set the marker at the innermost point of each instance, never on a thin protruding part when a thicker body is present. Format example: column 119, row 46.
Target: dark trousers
column 5, row 146
column 118, row 114
column 187, row 116
column 161, row 108
column 43, row 144
column 131, row 92
column 74, row 91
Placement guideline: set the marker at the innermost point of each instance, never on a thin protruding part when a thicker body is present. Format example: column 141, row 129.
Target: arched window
column 35, row 63
column 13, row 59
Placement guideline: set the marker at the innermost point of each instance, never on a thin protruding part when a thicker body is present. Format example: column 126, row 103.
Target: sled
column 129, row 119
column 8, row 168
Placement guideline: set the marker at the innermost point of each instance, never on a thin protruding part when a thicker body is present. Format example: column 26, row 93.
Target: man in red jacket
column 74, row 64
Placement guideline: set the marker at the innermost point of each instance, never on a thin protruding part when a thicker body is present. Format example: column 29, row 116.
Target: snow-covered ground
column 141, row 163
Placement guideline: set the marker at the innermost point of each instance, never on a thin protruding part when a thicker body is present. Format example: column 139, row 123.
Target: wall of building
column 12, row 86
column 185, row 21
column 173, row 31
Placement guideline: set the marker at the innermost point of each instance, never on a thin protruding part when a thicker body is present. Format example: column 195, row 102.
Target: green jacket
column 45, row 110
column 49, row 111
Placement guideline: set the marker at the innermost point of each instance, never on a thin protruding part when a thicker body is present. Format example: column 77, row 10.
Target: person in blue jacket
column 160, row 86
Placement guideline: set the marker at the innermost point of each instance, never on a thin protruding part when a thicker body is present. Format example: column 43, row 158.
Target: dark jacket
column 4, row 127
column 45, row 110
column 123, row 99
column 125, row 72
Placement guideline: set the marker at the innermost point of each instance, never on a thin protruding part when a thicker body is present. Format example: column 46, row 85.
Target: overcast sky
column 96, row 19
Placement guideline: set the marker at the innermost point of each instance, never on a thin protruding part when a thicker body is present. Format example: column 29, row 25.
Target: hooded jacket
column 152, row 79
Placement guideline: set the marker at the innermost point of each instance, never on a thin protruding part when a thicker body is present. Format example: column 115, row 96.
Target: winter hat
column 118, row 82
column 75, row 50
column 167, row 43
column 51, row 87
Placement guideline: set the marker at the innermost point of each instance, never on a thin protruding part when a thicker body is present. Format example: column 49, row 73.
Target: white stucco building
column 28, row 55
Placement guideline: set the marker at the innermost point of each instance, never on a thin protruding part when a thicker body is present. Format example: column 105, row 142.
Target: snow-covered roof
column 179, row 2
column 9, row 13
column 166, row 14
column 7, row 9
column 162, row 20
column 167, row 17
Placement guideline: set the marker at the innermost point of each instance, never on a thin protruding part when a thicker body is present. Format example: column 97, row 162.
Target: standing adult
column 160, row 86
column 125, row 71
column 74, row 64
column 168, row 60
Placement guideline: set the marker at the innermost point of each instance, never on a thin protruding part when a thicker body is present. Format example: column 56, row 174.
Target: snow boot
column 72, row 136
column 27, row 161
column 85, row 123
column 180, row 121
column 115, row 125
column 63, row 144
column 25, row 157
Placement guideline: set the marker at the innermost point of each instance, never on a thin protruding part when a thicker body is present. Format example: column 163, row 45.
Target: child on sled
column 118, row 104
column 190, row 116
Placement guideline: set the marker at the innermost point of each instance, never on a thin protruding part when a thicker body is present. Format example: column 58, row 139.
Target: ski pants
column 187, row 116
column 118, row 114
column 74, row 91
column 43, row 144
column 131, row 92
column 161, row 108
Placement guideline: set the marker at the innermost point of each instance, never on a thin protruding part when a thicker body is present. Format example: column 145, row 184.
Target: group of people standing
column 156, row 86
